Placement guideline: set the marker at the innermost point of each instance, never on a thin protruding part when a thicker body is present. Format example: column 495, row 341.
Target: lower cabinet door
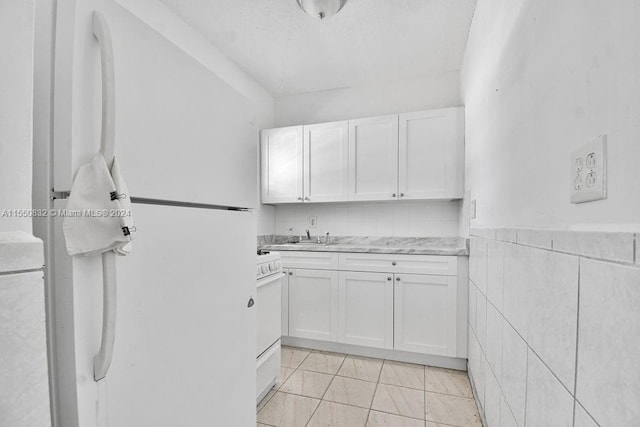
column 425, row 314
column 365, row 309
column 313, row 304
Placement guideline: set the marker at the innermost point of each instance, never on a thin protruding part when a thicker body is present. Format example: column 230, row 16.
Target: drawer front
column 310, row 260
column 389, row 263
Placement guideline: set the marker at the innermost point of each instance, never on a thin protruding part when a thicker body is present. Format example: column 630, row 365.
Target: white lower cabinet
column 393, row 310
column 365, row 309
column 425, row 313
column 285, row 302
column 313, row 304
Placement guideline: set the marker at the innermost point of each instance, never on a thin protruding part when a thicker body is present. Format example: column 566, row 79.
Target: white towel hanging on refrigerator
column 98, row 215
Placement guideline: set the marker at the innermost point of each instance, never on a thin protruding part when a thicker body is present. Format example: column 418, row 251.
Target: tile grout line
column 325, row 391
column 526, row 383
column 575, row 366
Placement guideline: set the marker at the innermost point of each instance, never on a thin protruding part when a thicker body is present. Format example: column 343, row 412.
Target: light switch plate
column 313, row 222
column 589, row 172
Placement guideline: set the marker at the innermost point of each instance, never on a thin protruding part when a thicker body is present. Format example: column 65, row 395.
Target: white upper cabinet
column 408, row 156
column 431, row 154
column 373, row 158
column 281, row 165
column 326, row 155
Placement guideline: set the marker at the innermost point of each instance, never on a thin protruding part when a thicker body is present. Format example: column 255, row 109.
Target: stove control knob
column 272, row 266
column 264, row 269
column 278, row 265
column 259, row 272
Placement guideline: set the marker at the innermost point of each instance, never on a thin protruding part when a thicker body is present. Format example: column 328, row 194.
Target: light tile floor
column 329, row 389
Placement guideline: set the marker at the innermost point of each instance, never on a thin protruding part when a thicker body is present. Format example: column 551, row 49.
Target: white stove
column 269, row 311
column 268, row 264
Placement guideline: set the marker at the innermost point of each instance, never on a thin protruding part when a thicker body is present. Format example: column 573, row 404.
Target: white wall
column 16, row 109
column 355, row 102
column 400, row 219
column 540, row 79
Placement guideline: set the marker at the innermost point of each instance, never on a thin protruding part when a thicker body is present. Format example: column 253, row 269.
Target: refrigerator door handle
column 102, row 360
column 107, row 135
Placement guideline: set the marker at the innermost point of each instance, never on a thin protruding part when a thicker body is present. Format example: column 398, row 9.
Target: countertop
column 451, row 246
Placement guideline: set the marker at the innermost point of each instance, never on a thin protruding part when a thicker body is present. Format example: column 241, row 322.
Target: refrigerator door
column 185, row 338
column 181, row 133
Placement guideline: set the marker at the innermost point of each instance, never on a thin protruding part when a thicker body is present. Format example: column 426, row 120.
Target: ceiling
column 368, row 42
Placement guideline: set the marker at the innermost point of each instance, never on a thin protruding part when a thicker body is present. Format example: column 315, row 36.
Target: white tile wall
column 561, row 348
column 506, row 416
column 399, row 219
column 582, row 419
column 608, row 383
column 517, row 284
column 495, row 273
column 494, row 339
column 472, row 307
column 476, row 368
column 548, row 403
column 553, row 319
column 492, row 399
column 514, row 371
column 481, row 320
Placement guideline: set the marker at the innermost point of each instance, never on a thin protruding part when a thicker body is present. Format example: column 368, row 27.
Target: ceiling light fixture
column 321, row 8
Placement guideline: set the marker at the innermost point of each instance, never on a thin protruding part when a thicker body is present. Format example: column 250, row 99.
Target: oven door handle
column 270, row 279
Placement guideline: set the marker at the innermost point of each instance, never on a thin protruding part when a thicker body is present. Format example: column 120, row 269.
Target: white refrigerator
column 186, row 142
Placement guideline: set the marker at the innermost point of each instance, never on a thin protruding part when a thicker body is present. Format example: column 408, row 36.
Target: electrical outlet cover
column 589, row 172
column 313, row 222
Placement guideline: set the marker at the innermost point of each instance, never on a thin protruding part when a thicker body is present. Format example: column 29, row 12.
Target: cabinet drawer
column 310, row 260
column 389, row 263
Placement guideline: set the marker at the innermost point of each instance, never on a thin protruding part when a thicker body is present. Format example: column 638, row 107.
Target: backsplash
column 395, row 219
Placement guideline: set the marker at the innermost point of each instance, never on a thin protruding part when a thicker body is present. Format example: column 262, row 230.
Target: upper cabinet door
column 373, row 158
column 326, row 160
column 431, row 154
column 281, row 165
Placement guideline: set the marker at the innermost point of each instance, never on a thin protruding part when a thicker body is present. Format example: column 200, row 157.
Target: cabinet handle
column 306, row 198
column 299, row 198
column 397, row 279
column 401, row 194
column 393, row 195
column 389, row 278
column 393, row 263
column 291, row 273
column 251, row 303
